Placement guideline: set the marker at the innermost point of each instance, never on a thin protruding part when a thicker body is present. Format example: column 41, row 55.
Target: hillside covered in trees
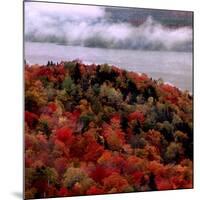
column 98, row 129
column 137, row 16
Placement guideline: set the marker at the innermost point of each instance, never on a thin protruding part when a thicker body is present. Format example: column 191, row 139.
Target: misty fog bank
column 90, row 26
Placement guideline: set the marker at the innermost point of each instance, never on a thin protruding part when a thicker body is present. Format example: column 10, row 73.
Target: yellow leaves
column 174, row 151
column 62, row 95
column 84, row 102
column 62, row 121
column 30, row 193
column 73, row 175
column 36, row 93
column 180, row 136
column 59, row 110
column 77, row 179
column 84, row 106
column 104, row 132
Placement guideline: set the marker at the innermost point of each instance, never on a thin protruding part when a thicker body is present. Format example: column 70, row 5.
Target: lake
column 172, row 67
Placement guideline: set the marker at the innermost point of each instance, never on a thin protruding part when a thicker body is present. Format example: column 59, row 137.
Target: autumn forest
column 98, row 129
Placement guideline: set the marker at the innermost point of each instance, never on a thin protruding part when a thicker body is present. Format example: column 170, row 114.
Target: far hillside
column 137, row 16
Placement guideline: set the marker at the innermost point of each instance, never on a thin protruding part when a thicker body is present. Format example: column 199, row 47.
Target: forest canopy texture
column 98, row 129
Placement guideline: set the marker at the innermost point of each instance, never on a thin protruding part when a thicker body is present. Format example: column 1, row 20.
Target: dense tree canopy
column 98, row 129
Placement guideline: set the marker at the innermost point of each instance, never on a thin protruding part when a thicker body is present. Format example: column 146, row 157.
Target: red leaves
column 44, row 71
column 31, row 119
column 173, row 182
column 100, row 172
column 170, row 92
column 64, row 134
column 169, row 88
column 156, row 168
column 163, row 183
column 51, row 191
column 93, row 152
column 119, row 162
column 137, row 77
column 115, row 119
column 137, row 177
column 115, row 183
column 108, row 153
column 94, row 191
column 63, row 192
column 52, row 106
column 51, row 71
column 134, row 164
column 180, row 182
column 136, row 116
column 41, row 185
column 78, row 147
column 60, row 165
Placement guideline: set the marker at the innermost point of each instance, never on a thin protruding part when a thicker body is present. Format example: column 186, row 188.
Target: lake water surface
column 172, row 67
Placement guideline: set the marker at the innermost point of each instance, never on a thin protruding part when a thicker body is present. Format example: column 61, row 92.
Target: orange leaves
column 105, row 158
column 113, row 134
column 135, row 163
column 153, row 153
column 136, row 116
column 92, row 135
column 180, row 182
column 115, row 139
column 30, row 141
column 116, row 183
column 113, row 162
column 154, row 137
column 156, row 168
column 171, row 176
column 163, row 183
column 173, row 182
